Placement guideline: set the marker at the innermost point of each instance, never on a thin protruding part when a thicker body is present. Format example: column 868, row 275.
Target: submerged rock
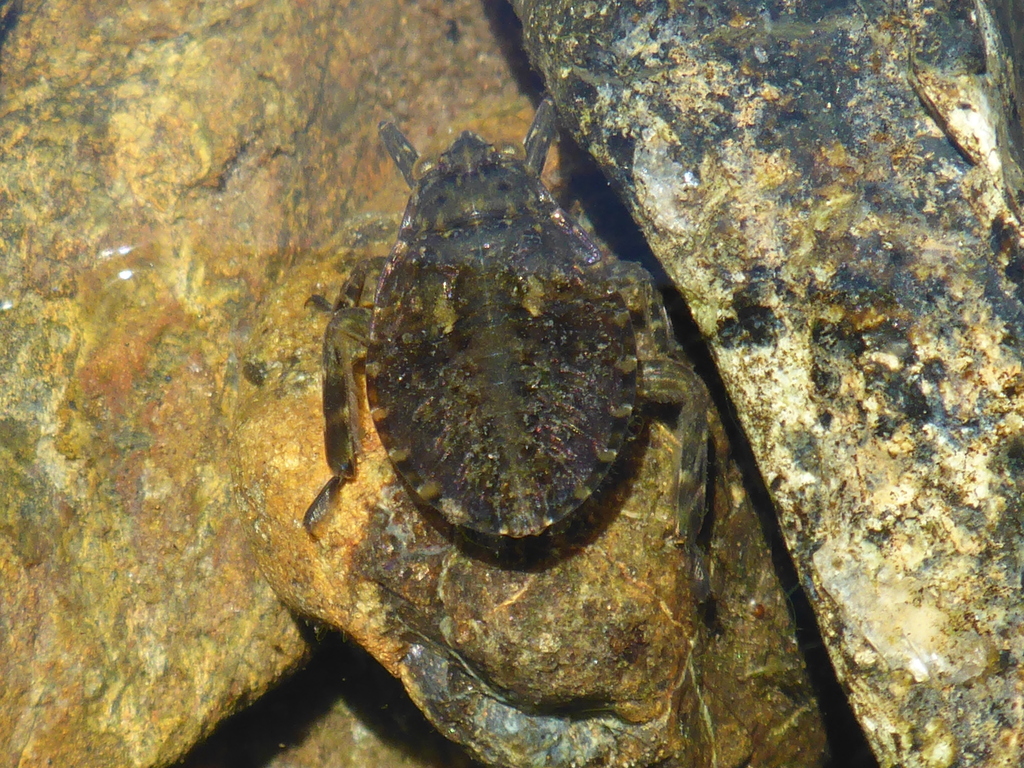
column 857, row 276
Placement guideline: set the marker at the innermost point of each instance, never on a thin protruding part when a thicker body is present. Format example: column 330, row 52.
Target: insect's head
column 474, row 181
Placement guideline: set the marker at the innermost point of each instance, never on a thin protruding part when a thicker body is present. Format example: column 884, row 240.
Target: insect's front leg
column 344, row 351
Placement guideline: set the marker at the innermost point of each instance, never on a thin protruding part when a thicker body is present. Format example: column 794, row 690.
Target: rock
column 858, row 280
column 342, row 708
column 130, row 171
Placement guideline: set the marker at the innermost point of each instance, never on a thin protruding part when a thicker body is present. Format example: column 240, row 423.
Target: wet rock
column 162, row 164
column 129, row 165
column 856, row 274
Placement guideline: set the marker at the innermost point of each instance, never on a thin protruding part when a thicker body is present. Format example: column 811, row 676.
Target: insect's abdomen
column 502, row 393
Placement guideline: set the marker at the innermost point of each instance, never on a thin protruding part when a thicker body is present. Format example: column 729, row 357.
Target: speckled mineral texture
column 162, row 163
column 585, row 647
column 825, row 182
column 137, row 144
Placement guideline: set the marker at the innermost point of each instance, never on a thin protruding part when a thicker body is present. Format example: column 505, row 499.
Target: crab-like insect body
column 504, row 352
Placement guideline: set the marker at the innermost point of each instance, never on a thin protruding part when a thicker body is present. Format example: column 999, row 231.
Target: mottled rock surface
column 163, row 163
column 140, row 194
column 828, row 185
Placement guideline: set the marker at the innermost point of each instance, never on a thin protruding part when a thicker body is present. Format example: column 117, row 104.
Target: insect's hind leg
column 667, row 378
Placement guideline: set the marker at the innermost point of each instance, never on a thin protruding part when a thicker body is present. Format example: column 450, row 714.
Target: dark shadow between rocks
column 10, row 11
column 508, row 31
column 847, row 744
column 339, row 672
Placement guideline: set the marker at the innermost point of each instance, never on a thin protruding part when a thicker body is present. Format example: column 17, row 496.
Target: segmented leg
column 665, row 377
column 540, row 135
column 344, row 347
column 691, row 432
column 402, row 152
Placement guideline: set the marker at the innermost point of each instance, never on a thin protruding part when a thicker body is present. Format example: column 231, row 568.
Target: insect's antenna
column 538, row 138
column 401, row 151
